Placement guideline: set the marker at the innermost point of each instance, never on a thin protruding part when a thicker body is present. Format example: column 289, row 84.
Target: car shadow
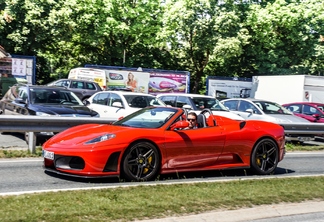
column 208, row 175
column 20, row 136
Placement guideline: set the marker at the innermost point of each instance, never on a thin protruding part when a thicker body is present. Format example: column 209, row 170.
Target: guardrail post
column 32, row 142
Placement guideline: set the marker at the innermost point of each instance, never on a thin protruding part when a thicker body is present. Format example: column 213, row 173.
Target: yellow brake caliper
column 149, row 161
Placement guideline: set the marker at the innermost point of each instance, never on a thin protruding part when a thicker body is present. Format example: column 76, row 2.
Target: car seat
column 201, row 121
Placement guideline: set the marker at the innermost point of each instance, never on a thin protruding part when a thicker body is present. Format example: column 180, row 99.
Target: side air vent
column 242, row 124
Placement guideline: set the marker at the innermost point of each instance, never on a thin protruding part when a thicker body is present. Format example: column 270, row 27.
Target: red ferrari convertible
column 154, row 141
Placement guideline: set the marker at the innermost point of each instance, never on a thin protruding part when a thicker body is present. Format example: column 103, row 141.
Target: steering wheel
column 206, row 110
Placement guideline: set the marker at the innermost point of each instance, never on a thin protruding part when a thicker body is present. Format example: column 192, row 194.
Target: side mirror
column 179, row 125
column 249, row 111
column 86, row 102
column 117, row 104
column 186, row 106
column 316, row 116
column 20, row 100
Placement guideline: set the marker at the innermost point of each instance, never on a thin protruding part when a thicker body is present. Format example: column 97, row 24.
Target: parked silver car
column 82, row 88
column 257, row 109
column 197, row 103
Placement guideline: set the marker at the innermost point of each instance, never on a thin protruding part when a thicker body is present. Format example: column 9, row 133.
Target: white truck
column 228, row 87
column 288, row 88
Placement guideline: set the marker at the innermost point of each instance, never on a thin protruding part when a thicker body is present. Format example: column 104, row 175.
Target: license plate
column 48, row 155
column 305, row 138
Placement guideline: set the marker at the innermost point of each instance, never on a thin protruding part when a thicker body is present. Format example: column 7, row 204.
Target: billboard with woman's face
column 132, row 80
column 145, row 80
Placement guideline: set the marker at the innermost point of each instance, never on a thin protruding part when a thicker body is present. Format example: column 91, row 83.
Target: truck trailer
column 288, row 88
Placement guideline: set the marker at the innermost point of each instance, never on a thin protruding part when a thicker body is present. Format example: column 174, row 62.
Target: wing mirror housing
column 117, row 104
column 186, row 106
column 316, row 116
column 20, row 100
column 179, row 125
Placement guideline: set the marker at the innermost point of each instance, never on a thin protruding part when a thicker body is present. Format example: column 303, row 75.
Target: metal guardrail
column 32, row 124
column 303, row 128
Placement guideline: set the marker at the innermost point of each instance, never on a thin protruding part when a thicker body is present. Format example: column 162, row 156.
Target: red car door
column 193, row 148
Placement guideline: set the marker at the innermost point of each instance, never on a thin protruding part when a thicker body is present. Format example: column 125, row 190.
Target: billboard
column 18, row 66
column 150, row 81
column 228, row 87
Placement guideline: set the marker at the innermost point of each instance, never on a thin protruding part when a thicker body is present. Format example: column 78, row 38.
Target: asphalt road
column 12, row 140
column 27, row 174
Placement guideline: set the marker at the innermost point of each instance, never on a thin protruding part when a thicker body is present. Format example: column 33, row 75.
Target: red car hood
column 83, row 133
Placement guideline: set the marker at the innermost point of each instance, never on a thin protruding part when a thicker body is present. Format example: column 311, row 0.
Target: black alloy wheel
column 264, row 158
column 141, row 162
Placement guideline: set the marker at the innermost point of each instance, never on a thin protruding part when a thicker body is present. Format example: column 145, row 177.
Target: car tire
column 141, row 162
column 264, row 157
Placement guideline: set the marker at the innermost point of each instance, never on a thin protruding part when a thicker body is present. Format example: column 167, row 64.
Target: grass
column 303, row 147
column 15, row 153
column 146, row 202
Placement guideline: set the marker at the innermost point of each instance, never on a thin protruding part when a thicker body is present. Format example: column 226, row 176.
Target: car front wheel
column 141, row 162
column 264, row 157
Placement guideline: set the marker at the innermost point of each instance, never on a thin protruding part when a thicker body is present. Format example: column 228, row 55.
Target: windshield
column 141, row 101
column 53, row 96
column 272, row 108
column 152, row 117
column 210, row 103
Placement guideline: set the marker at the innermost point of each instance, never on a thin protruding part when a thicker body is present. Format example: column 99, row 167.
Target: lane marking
column 156, row 183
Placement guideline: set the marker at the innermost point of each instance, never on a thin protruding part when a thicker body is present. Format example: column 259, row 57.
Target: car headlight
column 101, row 138
column 42, row 114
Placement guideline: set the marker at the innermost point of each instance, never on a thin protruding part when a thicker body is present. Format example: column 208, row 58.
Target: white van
column 96, row 75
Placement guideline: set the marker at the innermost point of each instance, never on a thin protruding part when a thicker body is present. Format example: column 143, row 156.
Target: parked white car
column 197, row 103
column 116, row 104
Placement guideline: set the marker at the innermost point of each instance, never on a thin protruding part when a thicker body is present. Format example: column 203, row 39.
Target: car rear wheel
column 141, row 162
column 264, row 157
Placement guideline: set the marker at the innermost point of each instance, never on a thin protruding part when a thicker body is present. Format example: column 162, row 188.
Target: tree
column 66, row 34
column 200, row 32
column 284, row 36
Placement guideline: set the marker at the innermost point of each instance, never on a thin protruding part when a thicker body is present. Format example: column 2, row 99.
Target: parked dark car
column 82, row 88
column 313, row 112
column 22, row 99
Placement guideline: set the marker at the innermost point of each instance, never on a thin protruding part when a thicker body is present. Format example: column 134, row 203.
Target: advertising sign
column 167, row 82
column 132, row 80
column 18, row 67
column 145, row 80
column 222, row 88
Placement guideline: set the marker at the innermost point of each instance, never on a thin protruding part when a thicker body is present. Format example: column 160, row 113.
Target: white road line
column 156, row 183
column 21, row 160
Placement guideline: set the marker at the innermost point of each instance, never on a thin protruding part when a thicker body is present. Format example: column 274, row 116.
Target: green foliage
column 204, row 37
